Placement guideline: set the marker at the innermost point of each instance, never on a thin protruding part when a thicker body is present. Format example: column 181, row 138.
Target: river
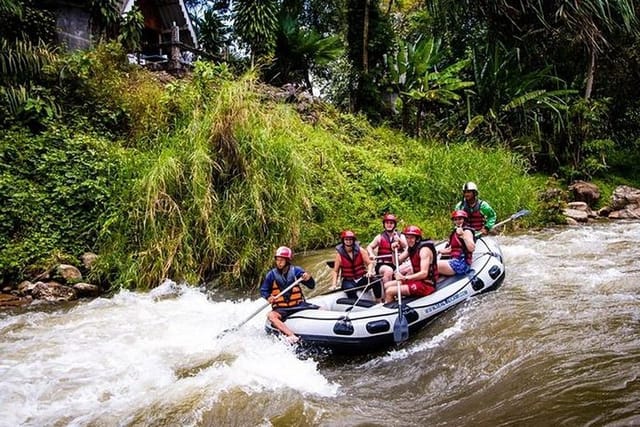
column 557, row 344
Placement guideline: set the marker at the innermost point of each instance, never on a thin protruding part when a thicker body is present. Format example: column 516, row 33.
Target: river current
column 557, row 344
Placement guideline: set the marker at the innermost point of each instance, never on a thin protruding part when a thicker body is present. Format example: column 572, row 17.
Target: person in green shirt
column 482, row 217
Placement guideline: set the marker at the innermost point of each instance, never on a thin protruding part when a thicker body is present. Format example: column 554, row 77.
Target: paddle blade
column 400, row 329
column 521, row 213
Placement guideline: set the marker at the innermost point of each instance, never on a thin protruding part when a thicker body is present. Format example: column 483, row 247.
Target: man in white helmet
column 482, row 217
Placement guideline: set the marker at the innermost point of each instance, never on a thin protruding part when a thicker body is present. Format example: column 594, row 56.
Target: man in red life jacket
column 353, row 264
column 422, row 254
column 382, row 247
column 278, row 279
column 482, row 217
column 459, row 251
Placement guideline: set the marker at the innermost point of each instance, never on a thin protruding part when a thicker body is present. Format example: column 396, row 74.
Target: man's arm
column 371, row 247
column 265, row 287
column 489, row 215
column 310, row 282
column 337, row 263
column 425, row 261
column 368, row 262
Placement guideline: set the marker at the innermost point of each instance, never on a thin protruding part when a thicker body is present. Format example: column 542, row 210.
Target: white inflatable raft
column 345, row 326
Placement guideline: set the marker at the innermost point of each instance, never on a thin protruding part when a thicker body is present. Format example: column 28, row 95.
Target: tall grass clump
column 122, row 100
column 217, row 196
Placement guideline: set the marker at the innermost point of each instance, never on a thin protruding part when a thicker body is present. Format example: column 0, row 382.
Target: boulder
column 581, row 206
column 8, row 300
column 585, row 192
column 623, row 196
column 571, row 221
column 86, row 290
column 25, row 287
column 575, row 214
column 69, row 273
column 630, row 212
column 53, row 292
column 88, row 258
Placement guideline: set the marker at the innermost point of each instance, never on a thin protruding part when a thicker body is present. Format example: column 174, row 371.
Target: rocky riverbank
column 62, row 283
column 624, row 204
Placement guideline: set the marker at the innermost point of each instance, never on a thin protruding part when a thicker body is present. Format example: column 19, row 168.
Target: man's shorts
column 458, row 265
column 418, row 288
column 285, row 312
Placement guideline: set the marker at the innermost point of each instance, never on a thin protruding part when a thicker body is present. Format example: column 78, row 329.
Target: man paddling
column 278, row 279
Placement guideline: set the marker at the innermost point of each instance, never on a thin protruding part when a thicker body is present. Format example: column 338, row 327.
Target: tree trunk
column 307, row 80
column 365, row 38
column 591, row 71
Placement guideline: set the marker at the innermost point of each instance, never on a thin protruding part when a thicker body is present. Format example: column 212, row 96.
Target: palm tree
column 256, row 23
column 414, row 76
column 299, row 51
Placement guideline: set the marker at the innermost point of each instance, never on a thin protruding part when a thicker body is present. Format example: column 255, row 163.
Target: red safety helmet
column 284, row 252
column 412, row 230
column 389, row 217
column 348, row 233
column 459, row 214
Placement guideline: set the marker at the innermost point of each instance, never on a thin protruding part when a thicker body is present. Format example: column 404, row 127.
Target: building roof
column 170, row 11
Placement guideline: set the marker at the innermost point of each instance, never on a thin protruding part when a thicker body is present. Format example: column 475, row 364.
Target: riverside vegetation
column 199, row 179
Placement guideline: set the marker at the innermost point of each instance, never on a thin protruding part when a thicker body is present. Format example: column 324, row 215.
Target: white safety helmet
column 470, row 186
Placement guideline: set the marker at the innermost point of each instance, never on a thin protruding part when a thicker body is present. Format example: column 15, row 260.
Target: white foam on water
column 108, row 359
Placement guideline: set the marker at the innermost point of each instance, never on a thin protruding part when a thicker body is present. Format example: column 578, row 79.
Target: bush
column 54, row 188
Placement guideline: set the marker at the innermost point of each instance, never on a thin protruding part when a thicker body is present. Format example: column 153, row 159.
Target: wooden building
column 166, row 26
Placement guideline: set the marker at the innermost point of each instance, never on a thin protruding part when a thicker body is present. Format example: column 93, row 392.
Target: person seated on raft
column 459, row 250
column 353, row 264
column 421, row 282
column 278, row 279
column 383, row 245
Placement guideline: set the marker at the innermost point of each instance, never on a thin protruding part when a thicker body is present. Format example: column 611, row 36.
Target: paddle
column 516, row 215
column 361, row 293
column 333, row 291
column 262, row 307
column 400, row 326
column 332, row 263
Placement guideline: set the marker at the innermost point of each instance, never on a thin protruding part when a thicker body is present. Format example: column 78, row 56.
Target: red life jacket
column 414, row 257
column 384, row 247
column 459, row 248
column 352, row 268
column 289, row 299
column 476, row 219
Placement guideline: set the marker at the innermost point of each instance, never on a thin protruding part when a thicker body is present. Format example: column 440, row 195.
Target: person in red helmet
column 422, row 281
column 459, row 251
column 482, row 217
column 382, row 248
column 352, row 263
column 278, row 279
